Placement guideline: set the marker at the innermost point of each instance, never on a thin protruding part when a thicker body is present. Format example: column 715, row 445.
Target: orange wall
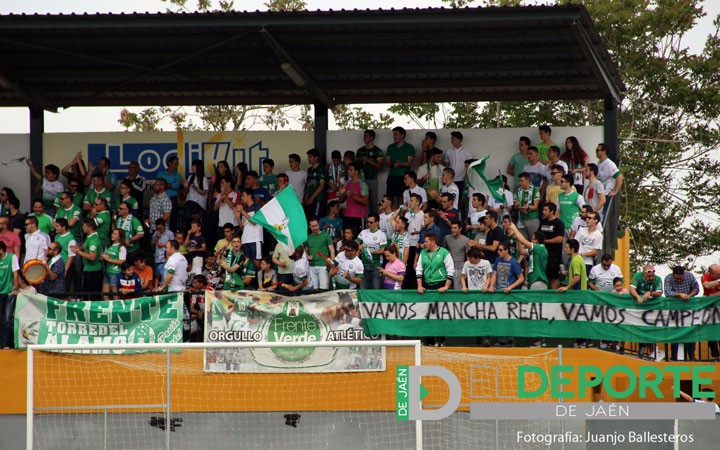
column 140, row 379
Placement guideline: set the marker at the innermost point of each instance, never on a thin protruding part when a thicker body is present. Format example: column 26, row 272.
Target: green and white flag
column 494, row 185
column 283, row 216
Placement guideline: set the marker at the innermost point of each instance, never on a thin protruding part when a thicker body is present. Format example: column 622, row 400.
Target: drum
column 34, row 271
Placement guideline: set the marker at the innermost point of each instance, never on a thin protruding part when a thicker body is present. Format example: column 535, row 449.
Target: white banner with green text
column 250, row 316
column 573, row 314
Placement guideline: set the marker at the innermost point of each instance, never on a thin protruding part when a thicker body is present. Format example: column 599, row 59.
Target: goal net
column 99, row 398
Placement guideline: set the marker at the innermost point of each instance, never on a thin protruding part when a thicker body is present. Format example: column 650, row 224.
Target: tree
column 218, row 117
column 668, row 124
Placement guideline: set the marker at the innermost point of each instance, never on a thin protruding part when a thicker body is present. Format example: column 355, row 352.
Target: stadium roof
column 330, row 57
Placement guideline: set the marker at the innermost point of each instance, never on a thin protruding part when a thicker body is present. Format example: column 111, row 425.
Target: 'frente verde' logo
column 293, row 324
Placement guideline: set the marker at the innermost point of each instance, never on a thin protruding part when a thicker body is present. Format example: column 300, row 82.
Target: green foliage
column 355, row 118
column 668, row 127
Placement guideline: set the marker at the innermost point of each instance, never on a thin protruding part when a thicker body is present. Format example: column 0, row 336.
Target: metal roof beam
column 286, row 58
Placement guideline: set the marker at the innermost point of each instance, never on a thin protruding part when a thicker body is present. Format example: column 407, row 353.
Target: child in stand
column 128, row 284
column 618, row 287
column 25, row 286
column 267, row 277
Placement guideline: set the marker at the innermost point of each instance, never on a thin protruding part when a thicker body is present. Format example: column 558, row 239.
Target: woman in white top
column 197, row 186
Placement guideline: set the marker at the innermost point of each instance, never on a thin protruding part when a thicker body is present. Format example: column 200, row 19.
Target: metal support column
column 321, row 128
column 610, row 119
column 37, row 128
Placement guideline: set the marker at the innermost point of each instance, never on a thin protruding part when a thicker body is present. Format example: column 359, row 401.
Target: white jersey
column 251, row 231
column 453, row 190
column 36, row 245
column 345, row 265
column 476, row 274
column 177, row 265
column 607, row 172
column 297, row 181
column 416, row 190
column 386, row 224
column 588, row 242
column 603, row 279
column 415, row 224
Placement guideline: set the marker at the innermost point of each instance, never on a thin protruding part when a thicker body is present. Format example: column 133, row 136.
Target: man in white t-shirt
column 535, row 168
column 175, row 269
column 296, row 176
column 590, row 239
column 608, row 173
column 601, row 276
column 36, row 242
column 410, row 180
column 476, row 271
column 252, row 235
column 347, row 270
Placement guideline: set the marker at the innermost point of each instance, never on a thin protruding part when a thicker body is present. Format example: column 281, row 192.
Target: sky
column 16, row 120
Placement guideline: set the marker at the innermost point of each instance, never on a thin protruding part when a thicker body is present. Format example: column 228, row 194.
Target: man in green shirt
column 577, row 273
column 70, row 212
column 372, row 158
column 66, row 240
column 132, row 227
column 103, row 220
column 569, row 201
column 645, row 286
column 537, row 259
column 319, row 243
column 90, row 253
column 75, row 194
column 96, row 190
column 435, row 268
column 232, row 263
column 9, row 268
column 399, row 159
column 545, row 143
column 44, row 220
column 314, row 199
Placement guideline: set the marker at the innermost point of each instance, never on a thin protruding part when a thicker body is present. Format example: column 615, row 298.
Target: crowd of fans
column 432, row 229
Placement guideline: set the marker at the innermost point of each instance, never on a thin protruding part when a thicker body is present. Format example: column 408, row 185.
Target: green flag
column 283, row 216
column 494, row 185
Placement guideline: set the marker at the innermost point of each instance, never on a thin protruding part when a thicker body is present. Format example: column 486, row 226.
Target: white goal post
column 70, row 392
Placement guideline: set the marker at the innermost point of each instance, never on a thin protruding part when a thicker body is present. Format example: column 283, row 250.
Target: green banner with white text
column 535, row 314
column 44, row 320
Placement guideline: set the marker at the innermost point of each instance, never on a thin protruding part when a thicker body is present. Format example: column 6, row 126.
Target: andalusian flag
column 283, row 216
column 494, row 185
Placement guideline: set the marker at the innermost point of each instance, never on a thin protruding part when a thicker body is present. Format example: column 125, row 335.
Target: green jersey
column 116, row 252
column 234, row 281
column 77, row 200
column 526, row 197
column 642, row 285
column 65, row 241
column 269, row 182
column 130, row 200
column 8, row 266
column 315, row 175
column 91, row 195
column 104, row 223
column 318, row 243
column 399, row 154
column 537, row 264
column 543, row 149
column 569, row 207
column 69, row 214
column 44, row 222
column 374, row 154
column 577, row 267
column 244, row 308
column 132, row 226
column 92, row 245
